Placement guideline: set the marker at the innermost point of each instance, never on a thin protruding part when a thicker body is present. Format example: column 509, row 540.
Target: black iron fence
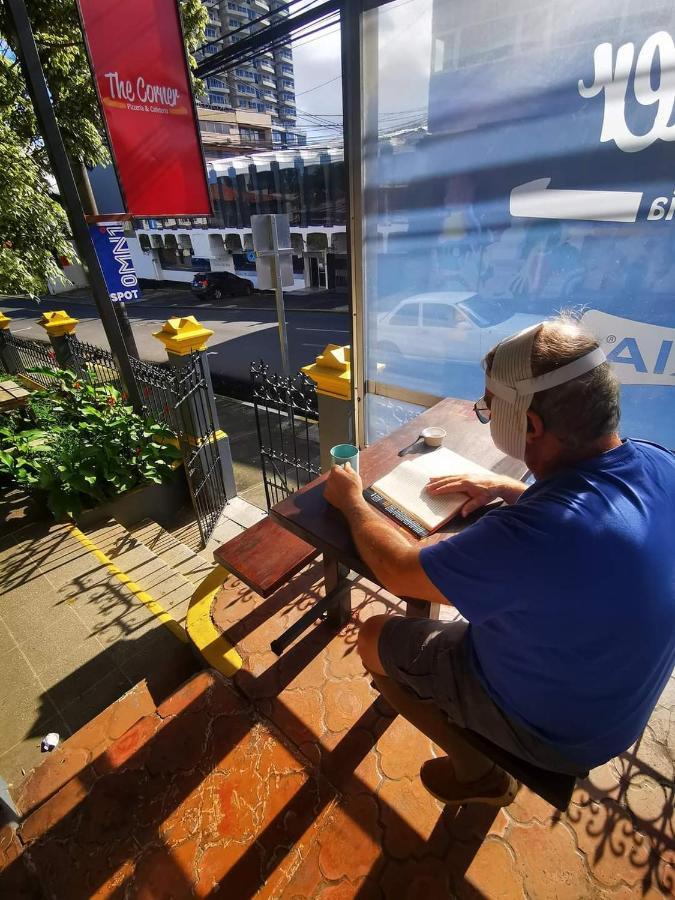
column 178, row 398
column 23, row 356
column 287, row 415
column 93, row 363
column 198, row 438
column 156, row 387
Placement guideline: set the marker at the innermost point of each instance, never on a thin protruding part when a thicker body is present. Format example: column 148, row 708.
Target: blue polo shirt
column 570, row 596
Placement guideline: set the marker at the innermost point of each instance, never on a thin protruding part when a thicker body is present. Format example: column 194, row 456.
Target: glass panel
column 520, row 163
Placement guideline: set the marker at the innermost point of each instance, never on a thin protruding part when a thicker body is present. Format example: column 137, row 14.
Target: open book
column 405, row 490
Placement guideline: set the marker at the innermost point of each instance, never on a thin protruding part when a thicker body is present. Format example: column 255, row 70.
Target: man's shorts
column 433, row 659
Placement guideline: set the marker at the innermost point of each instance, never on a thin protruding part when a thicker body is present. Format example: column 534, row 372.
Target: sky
column 404, row 58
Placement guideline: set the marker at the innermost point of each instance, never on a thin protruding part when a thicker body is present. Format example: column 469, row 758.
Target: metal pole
column 63, row 173
column 279, row 297
column 352, row 73
column 90, row 208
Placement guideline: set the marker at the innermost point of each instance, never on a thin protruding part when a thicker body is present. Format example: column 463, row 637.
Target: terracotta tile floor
column 298, row 782
column 388, row 837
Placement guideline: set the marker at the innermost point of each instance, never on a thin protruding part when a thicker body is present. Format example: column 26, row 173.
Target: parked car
column 456, row 326
column 216, row 285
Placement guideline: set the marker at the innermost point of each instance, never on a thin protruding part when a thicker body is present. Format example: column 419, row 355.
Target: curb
column 218, row 653
column 155, row 608
column 78, row 301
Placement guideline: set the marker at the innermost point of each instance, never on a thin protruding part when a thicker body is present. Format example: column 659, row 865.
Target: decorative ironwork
column 22, row 357
column 287, row 414
column 197, row 434
column 93, row 363
column 156, row 387
column 610, row 810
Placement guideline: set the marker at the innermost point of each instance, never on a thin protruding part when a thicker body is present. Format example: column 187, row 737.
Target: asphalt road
column 241, row 335
column 244, row 334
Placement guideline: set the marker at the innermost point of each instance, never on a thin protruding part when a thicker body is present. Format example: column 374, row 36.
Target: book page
column 406, row 486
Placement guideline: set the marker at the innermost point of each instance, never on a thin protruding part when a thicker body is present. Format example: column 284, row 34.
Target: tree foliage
column 33, row 226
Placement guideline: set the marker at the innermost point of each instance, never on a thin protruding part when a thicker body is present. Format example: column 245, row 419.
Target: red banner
column 138, row 59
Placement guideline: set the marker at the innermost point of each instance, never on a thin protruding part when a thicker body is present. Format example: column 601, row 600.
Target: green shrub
column 82, row 444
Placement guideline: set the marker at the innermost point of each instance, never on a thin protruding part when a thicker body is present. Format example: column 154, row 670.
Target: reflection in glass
column 507, row 177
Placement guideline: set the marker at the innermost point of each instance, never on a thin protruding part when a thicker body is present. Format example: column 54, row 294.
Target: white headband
column 513, row 386
column 559, row 376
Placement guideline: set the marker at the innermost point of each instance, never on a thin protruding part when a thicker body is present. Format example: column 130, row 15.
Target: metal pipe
column 320, row 608
column 279, row 299
column 350, row 21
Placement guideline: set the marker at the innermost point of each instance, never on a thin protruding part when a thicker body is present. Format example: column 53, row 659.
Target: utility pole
column 63, row 173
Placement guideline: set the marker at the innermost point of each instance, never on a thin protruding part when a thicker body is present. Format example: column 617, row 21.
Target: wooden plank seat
column 265, row 556
column 555, row 787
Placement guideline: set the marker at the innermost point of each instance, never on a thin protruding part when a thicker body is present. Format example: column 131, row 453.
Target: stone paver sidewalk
column 297, row 781
column 389, row 838
column 198, row 798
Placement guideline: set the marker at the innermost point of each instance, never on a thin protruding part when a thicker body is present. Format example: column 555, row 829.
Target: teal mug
column 345, row 453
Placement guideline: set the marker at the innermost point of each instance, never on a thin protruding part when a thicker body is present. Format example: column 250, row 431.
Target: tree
column 33, row 225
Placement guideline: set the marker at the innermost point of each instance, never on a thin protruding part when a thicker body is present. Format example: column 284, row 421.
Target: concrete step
column 173, row 551
column 83, row 748
column 132, row 619
column 201, row 764
column 146, row 569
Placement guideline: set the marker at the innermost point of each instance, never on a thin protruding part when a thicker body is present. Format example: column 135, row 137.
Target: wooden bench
column 555, row 787
column 265, row 556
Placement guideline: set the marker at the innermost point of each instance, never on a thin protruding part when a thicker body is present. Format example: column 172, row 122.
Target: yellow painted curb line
column 218, row 653
column 155, row 608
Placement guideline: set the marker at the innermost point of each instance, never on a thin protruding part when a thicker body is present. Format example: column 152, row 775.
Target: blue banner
column 114, row 256
column 544, row 181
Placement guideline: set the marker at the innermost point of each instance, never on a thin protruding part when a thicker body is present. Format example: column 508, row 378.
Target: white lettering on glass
column 612, row 76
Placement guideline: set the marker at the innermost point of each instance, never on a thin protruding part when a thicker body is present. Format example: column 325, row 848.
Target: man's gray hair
column 584, row 409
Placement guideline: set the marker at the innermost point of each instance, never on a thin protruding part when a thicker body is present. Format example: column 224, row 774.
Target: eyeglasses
column 482, row 411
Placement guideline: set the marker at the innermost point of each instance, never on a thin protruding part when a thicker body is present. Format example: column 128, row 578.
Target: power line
column 254, row 54
column 317, row 86
column 225, row 37
column 264, row 39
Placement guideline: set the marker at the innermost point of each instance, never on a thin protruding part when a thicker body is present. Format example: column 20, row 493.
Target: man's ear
column 535, row 426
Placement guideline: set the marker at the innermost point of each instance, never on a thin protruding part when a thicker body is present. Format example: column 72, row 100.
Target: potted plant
column 85, row 450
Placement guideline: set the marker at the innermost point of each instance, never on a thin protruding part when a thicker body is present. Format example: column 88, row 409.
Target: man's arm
column 394, row 561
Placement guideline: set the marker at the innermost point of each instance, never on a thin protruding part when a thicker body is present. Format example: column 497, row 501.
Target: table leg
column 421, row 609
column 335, row 576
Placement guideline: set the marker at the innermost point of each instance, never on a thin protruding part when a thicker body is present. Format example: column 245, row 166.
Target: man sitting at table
column 568, row 588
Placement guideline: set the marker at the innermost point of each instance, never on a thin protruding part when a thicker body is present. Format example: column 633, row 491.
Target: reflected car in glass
column 456, row 326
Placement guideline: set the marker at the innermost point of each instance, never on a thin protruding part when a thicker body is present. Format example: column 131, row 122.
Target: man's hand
column 481, row 489
column 344, row 488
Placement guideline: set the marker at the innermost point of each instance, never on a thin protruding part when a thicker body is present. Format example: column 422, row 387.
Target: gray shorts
column 433, row 659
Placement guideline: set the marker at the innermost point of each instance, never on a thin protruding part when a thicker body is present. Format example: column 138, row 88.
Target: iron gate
column 197, row 434
column 286, row 415
column 182, row 399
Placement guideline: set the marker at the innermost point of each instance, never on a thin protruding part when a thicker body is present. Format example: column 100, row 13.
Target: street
column 241, row 335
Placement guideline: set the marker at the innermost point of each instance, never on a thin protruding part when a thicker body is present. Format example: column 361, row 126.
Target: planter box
column 159, row 502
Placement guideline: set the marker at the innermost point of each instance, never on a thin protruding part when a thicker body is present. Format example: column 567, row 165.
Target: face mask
column 511, row 383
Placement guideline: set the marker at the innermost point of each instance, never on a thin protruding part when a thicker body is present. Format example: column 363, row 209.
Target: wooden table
column 12, row 395
column 307, row 515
